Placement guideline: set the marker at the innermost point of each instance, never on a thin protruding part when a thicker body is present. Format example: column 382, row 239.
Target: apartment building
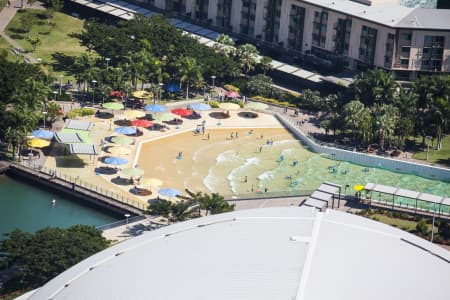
column 362, row 33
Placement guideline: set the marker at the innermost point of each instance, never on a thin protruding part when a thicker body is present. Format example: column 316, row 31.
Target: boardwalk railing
column 77, row 182
column 120, row 223
column 105, row 191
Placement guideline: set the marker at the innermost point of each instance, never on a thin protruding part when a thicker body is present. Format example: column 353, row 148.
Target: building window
column 367, row 45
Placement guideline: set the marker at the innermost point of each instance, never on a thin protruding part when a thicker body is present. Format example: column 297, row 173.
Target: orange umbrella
column 142, row 123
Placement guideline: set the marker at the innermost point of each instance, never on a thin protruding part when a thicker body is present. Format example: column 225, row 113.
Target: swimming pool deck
column 84, row 167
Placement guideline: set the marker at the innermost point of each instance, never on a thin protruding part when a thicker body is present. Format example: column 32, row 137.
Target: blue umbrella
column 42, row 134
column 113, row 160
column 125, row 130
column 173, row 88
column 155, row 108
column 200, row 106
column 169, row 192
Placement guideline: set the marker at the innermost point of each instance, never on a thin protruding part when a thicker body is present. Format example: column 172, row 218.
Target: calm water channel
column 30, row 208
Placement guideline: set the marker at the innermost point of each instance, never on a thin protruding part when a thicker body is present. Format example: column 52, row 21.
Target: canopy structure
column 413, row 200
column 324, row 196
column 78, row 125
column 42, row 134
column 68, row 137
column 83, row 149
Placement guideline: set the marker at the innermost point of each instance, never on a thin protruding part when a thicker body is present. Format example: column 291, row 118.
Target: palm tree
column 247, row 57
column 265, row 64
column 226, row 46
column 385, row 117
column 374, row 86
column 353, row 115
column 189, row 71
column 214, row 203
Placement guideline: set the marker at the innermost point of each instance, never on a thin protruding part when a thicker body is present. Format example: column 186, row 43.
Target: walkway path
column 6, row 15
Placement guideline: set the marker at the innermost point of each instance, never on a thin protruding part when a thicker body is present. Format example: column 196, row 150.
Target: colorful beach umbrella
column 132, row 172
column 155, row 108
column 164, row 117
column 183, row 112
column 232, row 94
column 116, row 94
column 38, row 143
column 122, row 140
column 199, row 106
column 113, row 160
column 125, row 130
column 167, row 192
column 142, row 123
column 115, row 150
column 257, row 105
column 42, row 134
column 133, row 114
column 229, row 106
column 142, row 94
column 113, row 105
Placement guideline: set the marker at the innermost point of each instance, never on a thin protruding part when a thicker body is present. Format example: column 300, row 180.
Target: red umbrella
column 142, row 123
column 182, row 112
column 116, row 94
column 231, row 94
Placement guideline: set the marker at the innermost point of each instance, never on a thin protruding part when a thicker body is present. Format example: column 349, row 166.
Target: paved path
column 6, row 15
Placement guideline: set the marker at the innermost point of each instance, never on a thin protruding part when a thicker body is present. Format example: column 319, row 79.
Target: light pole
column 432, row 226
column 428, row 145
column 107, row 62
column 93, row 91
column 54, row 93
column 44, row 113
column 160, row 91
column 60, row 84
column 213, row 77
column 127, row 216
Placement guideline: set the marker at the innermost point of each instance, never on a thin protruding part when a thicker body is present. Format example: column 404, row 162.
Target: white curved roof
column 271, row 253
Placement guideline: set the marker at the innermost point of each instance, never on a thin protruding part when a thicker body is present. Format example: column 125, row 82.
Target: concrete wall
column 369, row 160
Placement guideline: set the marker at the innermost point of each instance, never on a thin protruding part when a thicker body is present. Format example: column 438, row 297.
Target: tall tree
column 247, row 57
column 385, row 120
column 190, row 72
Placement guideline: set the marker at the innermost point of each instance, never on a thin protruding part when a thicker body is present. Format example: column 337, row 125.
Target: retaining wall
column 367, row 159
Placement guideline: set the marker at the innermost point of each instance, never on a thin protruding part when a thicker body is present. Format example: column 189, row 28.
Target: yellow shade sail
column 358, row 187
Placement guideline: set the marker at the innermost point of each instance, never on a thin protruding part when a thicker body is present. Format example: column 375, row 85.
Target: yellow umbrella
column 142, row 94
column 358, row 187
column 115, row 150
column 151, row 182
column 38, row 143
column 133, row 114
column 229, row 106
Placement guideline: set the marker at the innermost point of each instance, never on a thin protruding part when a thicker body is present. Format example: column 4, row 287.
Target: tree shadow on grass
column 63, row 62
column 16, row 36
column 443, row 161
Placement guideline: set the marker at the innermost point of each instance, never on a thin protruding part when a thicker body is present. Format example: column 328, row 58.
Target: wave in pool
column 236, row 174
column 227, row 157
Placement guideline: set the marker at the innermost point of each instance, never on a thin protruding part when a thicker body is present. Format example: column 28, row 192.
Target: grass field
column 441, row 157
column 57, row 46
column 5, row 45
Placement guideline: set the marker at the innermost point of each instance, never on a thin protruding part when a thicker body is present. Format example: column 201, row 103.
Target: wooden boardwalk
column 70, row 188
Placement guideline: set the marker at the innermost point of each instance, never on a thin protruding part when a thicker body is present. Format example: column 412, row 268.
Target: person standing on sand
column 245, row 179
column 262, row 136
column 208, row 136
column 260, row 149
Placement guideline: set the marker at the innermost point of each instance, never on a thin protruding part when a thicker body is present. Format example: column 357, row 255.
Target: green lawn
column 436, row 156
column 399, row 223
column 57, row 47
column 4, row 45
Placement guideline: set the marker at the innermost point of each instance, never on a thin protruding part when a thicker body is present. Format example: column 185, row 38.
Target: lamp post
column 107, row 62
column 44, row 113
column 93, row 91
column 432, row 226
column 160, row 91
column 127, row 216
column 54, row 93
column 428, row 145
column 60, row 84
column 213, row 78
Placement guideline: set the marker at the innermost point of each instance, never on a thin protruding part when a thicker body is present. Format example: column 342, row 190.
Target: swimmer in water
column 53, row 201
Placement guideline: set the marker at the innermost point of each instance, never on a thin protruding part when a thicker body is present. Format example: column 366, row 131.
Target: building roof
column 78, row 125
column 87, row 149
column 272, row 253
column 390, row 14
